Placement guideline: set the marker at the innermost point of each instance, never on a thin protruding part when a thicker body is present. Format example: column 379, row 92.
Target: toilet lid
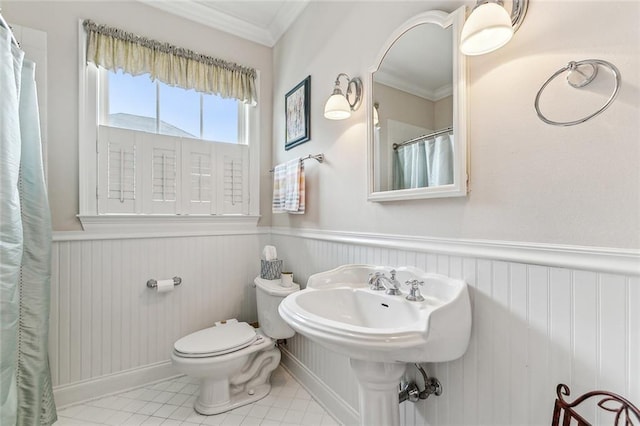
column 218, row 339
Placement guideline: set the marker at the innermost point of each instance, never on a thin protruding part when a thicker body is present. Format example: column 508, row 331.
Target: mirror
column 417, row 131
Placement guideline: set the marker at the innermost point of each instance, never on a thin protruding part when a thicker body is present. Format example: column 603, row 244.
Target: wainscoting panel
column 105, row 321
column 534, row 326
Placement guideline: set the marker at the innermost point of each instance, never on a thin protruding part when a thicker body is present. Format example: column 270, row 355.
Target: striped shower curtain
column 26, row 396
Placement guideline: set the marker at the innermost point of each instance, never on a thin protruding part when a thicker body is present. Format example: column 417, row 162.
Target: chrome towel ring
column 578, row 78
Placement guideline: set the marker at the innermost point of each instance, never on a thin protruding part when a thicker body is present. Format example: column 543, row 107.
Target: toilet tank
column 269, row 294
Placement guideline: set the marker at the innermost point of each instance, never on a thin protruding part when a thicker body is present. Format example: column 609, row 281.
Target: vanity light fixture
column 489, row 26
column 339, row 105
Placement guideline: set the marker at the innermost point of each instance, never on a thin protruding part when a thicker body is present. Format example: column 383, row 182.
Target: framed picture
column 297, row 114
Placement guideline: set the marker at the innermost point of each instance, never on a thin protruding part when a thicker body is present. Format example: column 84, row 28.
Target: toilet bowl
column 233, row 360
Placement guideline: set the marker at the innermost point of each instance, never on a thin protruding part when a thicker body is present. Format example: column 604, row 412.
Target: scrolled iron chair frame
column 625, row 411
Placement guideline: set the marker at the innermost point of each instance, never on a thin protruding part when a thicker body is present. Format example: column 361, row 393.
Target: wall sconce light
column 339, row 106
column 489, row 26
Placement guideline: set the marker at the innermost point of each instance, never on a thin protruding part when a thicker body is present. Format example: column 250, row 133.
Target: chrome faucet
column 378, row 281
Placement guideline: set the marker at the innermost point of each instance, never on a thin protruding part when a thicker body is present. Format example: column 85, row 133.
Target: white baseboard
column 113, row 383
column 330, row 400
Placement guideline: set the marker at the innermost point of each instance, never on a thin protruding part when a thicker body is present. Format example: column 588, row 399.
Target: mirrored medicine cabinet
column 417, row 120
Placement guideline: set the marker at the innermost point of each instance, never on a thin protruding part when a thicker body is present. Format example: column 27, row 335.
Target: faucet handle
column 414, row 291
column 393, row 274
column 414, row 284
column 374, row 280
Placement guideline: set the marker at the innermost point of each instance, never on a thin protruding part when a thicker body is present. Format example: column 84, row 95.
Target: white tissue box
column 270, row 269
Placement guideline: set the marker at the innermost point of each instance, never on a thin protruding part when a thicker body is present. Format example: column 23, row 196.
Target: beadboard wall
column 534, row 325
column 542, row 315
column 109, row 331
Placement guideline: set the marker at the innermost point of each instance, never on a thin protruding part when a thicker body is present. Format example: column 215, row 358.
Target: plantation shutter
column 119, row 172
column 144, row 173
column 234, row 169
column 198, row 186
column 162, row 158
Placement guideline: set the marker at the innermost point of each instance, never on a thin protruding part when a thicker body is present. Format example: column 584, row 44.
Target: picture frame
column 297, row 105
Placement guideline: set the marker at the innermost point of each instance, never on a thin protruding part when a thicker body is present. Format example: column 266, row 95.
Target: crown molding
column 285, row 18
column 399, row 83
column 198, row 12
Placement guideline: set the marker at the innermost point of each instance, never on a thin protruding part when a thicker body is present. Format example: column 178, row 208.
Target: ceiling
column 418, row 63
column 261, row 21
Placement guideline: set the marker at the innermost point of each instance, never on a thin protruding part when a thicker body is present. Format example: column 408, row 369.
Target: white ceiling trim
column 285, row 17
column 210, row 17
column 404, row 85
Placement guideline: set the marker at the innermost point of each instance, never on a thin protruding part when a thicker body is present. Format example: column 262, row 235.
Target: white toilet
column 232, row 359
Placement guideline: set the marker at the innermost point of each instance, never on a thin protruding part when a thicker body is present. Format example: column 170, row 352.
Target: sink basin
column 339, row 311
column 359, row 308
column 380, row 333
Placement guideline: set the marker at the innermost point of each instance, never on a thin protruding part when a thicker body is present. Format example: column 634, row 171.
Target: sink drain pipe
column 411, row 392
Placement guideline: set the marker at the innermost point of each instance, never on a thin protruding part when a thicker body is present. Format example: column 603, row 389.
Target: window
column 138, row 103
column 154, row 155
column 167, row 150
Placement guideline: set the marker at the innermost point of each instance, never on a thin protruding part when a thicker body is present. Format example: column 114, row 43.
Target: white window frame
column 89, row 120
column 103, row 110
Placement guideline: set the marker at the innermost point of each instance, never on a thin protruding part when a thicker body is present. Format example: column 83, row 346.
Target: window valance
column 115, row 49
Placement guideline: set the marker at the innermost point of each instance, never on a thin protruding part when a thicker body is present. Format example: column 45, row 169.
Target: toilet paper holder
column 154, row 283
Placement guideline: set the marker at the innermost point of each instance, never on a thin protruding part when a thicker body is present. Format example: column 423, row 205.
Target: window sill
column 134, row 226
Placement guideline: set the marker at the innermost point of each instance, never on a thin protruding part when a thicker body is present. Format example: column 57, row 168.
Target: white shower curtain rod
column 6, row 25
column 419, row 138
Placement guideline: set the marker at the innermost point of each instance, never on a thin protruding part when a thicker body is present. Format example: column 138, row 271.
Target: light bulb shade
column 337, row 107
column 488, row 28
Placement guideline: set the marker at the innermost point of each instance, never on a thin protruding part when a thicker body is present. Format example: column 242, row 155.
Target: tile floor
column 171, row 403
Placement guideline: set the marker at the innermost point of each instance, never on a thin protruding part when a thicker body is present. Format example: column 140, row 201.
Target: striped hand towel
column 288, row 187
column 298, row 207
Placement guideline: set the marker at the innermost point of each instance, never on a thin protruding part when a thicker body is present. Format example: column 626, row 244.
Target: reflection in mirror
column 415, row 99
column 418, row 92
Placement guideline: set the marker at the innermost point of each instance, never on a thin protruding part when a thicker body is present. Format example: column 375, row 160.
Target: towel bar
column 318, row 157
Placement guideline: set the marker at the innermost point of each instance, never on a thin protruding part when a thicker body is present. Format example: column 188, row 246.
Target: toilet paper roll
column 165, row 286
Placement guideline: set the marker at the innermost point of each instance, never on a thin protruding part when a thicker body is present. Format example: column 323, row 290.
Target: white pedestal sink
column 380, row 333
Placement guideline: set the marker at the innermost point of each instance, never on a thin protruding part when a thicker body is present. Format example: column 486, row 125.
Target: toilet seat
column 217, row 340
